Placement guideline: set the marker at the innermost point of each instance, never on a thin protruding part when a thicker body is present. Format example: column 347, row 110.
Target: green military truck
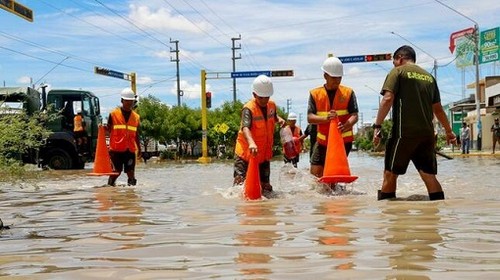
column 59, row 150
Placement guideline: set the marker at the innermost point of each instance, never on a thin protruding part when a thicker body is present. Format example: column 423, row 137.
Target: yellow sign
column 223, row 127
column 17, row 9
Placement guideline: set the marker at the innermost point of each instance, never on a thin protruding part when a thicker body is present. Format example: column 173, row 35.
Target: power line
column 133, row 24
column 196, row 25
column 46, row 60
column 96, row 26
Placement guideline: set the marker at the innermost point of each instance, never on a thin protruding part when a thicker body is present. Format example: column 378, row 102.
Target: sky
column 68, row 38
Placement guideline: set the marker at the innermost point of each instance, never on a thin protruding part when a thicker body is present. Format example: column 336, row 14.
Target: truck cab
column 59, row 150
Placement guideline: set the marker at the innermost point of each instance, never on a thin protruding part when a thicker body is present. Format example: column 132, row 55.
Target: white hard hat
column 128, row 94
column 292, row 116
column 263, row 86
column 333, row 67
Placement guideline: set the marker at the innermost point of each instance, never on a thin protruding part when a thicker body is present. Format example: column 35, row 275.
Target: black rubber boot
column 436, row 196
column 132, row 182
column 383, row 195
column 111, row 181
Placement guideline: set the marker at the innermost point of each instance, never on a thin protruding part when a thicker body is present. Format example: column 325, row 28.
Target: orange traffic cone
column 336, row 168
column 252, row 181
column 102, row 161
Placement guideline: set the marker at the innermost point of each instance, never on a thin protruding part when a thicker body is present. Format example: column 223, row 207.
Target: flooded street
column 187, row 221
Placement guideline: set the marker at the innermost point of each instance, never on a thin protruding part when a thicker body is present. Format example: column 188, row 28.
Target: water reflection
column 255, row 218
column 414, row 236
column 122, row 206
column 337, row 234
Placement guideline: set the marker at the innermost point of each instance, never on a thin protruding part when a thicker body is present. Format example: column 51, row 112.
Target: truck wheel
column 57, row 158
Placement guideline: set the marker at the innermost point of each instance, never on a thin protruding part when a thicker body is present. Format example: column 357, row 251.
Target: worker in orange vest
column 330, row 101
column 123, row 126
column 256, row 135
column 297, row 138
column 80, row 132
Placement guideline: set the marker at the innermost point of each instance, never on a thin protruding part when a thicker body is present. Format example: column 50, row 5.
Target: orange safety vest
column 123, row 134
column 78, row 123
column 262, row 132
column 340, row 105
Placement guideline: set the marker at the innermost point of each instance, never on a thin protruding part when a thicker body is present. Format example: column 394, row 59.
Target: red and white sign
column 459, row 34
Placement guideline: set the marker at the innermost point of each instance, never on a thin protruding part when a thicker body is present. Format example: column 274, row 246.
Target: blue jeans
column 465, row 146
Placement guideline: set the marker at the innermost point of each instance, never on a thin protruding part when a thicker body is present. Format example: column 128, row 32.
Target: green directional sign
column 489, row 49
column 17, row 9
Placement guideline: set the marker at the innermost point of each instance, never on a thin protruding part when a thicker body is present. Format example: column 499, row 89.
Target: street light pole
column 476, row 62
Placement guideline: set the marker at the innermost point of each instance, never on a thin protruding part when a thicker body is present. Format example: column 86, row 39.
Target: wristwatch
column 376, row 126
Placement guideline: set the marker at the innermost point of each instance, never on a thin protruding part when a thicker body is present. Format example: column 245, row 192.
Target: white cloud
column 191, row 91
column 144, row 80
column 162, row 19
column 24, row 80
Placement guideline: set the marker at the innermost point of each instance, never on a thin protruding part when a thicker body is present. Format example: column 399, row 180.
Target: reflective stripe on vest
column 262, row 132
column 340, row 105
column 123, row 134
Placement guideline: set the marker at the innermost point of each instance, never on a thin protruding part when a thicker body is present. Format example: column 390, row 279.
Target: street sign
column 223, row 127
column 111, row 73
column 250, row 74
column 489, row 49
column 17, row 9
column 458, row 34
column 352, row 59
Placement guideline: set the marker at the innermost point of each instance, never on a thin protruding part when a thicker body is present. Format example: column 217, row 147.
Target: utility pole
column 234, row 48
column 288, row 105
column 176, row 60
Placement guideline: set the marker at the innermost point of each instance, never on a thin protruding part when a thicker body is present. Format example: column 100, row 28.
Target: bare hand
column 451, row 138
column 343, row 127
column 253, row 149
column 282, row 122
column 331, row 115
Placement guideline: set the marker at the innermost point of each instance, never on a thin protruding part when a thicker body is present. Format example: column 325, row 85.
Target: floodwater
column 186, row 221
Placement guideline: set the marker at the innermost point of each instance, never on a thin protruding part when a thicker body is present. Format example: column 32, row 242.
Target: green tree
column 229, row 114
column 154, row 120
column 22, row 134
column 185, row 125
column 364, row 139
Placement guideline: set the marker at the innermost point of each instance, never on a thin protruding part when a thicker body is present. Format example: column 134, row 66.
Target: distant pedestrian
column 297, row 139
column 465, row 138
column 412, row 134
column 495, row 130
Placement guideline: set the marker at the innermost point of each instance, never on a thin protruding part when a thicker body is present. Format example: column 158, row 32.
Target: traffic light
column 378, row 57
column 282, row 73
column 208, row 99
